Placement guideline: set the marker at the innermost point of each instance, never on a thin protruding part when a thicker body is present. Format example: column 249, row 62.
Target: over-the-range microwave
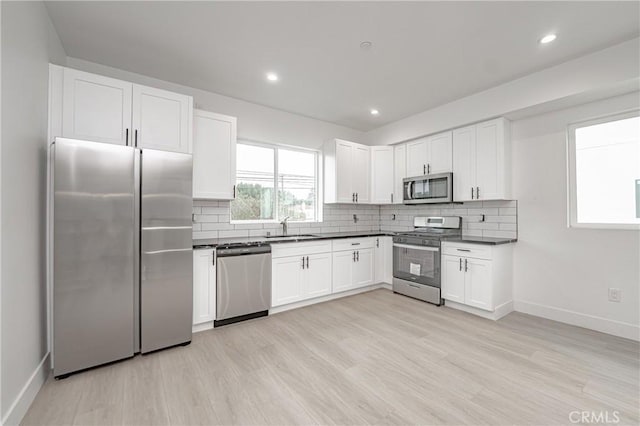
column 435, row 188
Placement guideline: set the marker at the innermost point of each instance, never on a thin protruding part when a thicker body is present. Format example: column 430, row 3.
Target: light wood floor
column 373, row 358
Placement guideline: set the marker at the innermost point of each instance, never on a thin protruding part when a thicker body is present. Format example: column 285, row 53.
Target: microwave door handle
column 408, row 191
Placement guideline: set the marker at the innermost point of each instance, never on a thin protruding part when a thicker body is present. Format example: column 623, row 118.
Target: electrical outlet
column 615, row 294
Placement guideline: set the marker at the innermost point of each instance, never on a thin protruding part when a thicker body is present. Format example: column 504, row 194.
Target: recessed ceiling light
column 547, row 39
column 375, row 112
column 271, row 76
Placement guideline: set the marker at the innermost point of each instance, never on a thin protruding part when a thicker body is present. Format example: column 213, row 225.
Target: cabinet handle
column 307, row 262
column 358, row 256
column 477, row 192
column 356, row 197
column 354, row 256
column 424, row 169
column 472, row 192
column 460, row 264
column 353, row 197
column 302, row 262
column 136, row 137
column 126, row 137
column 465, row 265
column 463, row 249
column 392, row 198
column 355, row 244
column 213, row 258
column 377, row 242
column 428, row 168
column 234, row 191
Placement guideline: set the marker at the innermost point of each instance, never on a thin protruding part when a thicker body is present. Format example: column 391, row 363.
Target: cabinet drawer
column 353, row 243
column 478, row 251
column 300, row 249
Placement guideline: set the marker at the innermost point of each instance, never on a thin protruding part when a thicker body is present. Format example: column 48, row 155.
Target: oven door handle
column 423, row 248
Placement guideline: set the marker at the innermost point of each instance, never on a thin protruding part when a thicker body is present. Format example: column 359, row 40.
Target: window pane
column 297, row 185
column 254, row 183
column 607, row 170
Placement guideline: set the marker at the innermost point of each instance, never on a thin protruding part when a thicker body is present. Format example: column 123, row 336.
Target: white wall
column 255, row 122
column 564, row 273
column 605, row 69
column 29, row 43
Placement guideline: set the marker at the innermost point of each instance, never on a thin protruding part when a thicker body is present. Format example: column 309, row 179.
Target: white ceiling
column 424, row 54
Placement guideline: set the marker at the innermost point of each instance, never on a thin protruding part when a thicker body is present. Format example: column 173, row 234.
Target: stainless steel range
column 416, row 257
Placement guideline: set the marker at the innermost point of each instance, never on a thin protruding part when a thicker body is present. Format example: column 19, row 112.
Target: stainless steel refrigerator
column 121, row 254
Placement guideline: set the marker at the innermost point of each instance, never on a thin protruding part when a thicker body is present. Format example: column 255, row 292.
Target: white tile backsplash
column 211, row 219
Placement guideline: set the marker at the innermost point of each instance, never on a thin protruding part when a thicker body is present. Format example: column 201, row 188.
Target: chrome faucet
column 284, row 226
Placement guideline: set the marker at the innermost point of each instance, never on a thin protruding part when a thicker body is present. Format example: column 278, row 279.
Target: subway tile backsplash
column 212, row 219
column 500, row 217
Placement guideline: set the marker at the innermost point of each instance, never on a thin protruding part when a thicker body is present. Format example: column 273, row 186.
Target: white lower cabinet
column 204, row 286
column 383, row 260
column 478, row 277
column 300, row 271
column 353, row 263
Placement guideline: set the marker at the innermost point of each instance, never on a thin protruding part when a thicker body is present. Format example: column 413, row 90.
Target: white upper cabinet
column 96, row 108
column 214, row 155
column 399, row 172
column 417, row 157
column 440, row 153
column 103, row 109
column 429, row 155
column 382, row 175
column 346, row 176
column 464, row 165
column 481, row 167
column 162, row 119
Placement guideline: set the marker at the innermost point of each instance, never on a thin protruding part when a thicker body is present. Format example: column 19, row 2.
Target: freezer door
column 166, row 268
column 93, row 254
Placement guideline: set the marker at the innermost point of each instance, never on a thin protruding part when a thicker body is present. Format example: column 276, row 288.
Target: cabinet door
column 440, row 155
column 161, row 119
column 204, row 286
column 360, row 170
column 286, row 280
column 214, row 156
column 453, row 276
column 464, row 154
column 344, row 173
column 363, row 268
column 382, row 187
column 317, row 277
column 478, row 288
column 96, row 108
column 399, row 172
column 417, row 157
column 343, row 262
column 383, row 260
column 490, row 160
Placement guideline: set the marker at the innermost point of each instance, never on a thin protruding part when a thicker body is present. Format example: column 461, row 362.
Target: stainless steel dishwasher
column 243, row 283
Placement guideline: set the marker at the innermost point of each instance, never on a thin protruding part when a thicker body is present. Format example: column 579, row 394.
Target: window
column 274, row 182
column 604, row 172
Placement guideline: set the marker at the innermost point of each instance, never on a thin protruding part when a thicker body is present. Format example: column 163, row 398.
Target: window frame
column 572, row 201
column 318, row 182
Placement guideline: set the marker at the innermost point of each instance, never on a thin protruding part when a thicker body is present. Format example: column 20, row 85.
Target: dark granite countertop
column 492, row 241
column 218, row 242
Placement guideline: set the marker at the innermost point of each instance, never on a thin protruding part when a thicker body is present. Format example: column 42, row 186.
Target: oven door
column 419, row 264
column 436, row 188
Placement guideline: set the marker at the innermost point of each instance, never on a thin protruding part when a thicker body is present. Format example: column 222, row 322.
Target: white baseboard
column 495, row 315
column 202, row 327
column 592, row 322
column 326, row 298
column 28, row 393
